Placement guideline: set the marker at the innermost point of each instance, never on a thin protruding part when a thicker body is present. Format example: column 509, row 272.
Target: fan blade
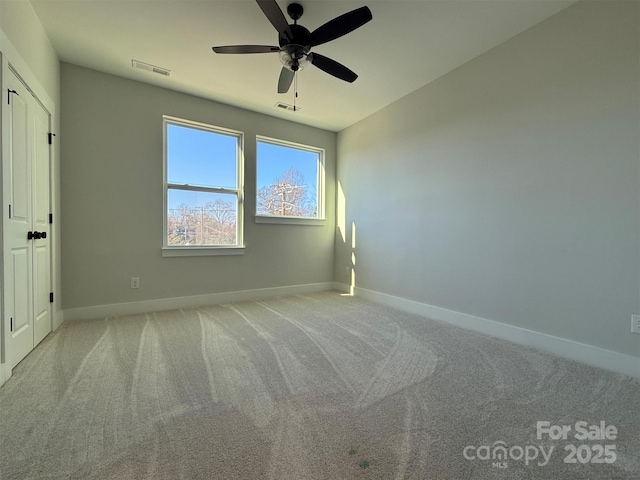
column 340, row 26
column 333, row 68
column 246, row 49
column 272, row 11
column 284, row 82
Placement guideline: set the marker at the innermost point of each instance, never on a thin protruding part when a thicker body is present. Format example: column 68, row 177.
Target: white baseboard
column 131, row 308
column 341, row 287
column 580, row 352
column 5, row 373
column 58, row 318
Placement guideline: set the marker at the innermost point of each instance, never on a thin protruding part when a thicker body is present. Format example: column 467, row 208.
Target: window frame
column 204, row 250
column 320, row 218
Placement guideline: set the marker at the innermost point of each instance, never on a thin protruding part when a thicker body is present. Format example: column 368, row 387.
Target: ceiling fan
column 295, row 41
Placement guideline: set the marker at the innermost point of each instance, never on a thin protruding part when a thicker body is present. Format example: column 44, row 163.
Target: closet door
column 26, row 227
column 40, row 223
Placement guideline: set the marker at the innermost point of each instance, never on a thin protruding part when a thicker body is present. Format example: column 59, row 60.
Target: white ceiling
column 407, row 45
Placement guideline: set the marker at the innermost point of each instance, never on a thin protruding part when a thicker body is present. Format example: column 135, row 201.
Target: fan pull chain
column 295, row 90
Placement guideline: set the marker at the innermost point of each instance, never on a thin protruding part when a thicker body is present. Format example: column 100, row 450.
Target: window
column 289, row 183
column 203, row 189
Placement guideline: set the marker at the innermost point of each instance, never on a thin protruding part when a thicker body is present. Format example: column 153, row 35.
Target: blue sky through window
column 275, row 160
column 198, row 157
column 203, row 158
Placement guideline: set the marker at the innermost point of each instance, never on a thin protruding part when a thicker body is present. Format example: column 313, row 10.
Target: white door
column 26, row 226
column 40, row 214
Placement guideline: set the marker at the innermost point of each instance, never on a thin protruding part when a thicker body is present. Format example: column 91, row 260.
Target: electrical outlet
column 135, row 282
column 635, row 323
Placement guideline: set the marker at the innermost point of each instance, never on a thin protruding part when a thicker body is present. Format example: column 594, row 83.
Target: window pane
column 199, row 157
column 287, row 181
column 200, row 218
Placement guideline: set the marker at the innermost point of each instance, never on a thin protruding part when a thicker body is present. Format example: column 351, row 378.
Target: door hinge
column 9, row 95
column 51, row 135
column 51, row 297
column 9, row 211
column 50, row 218
column 11, row 325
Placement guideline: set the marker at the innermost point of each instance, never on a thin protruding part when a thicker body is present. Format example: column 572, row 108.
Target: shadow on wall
column 342, row 229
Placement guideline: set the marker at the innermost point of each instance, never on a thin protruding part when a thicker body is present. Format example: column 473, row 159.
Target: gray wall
column 21, row 25
column 509, row 188
column 112, row 198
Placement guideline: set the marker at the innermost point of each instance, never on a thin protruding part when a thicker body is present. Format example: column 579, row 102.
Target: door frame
column 10, row 58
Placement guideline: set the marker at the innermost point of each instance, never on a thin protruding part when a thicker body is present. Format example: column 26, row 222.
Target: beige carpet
column 320, row 386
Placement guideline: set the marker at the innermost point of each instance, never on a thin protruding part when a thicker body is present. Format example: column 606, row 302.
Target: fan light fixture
column 295, row 57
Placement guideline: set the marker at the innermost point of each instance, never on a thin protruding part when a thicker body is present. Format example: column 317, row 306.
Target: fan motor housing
column 301, row 36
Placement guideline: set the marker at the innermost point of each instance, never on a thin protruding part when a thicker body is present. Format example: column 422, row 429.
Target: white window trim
column 320, row 181
column 289, row 220
column 204, row 250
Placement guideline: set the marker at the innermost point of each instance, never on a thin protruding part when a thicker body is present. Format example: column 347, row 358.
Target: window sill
column 201, row 251
column 290, row 220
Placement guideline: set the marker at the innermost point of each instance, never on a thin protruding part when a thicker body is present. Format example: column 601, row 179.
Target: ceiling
column 408, row 44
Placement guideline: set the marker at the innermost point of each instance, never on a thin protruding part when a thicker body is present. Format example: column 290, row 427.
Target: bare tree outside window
column 289, row 182
column 210, row 224
column 288, row 195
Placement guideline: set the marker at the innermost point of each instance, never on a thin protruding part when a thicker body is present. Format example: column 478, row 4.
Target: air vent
column 285, row 106
column 150, row 68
